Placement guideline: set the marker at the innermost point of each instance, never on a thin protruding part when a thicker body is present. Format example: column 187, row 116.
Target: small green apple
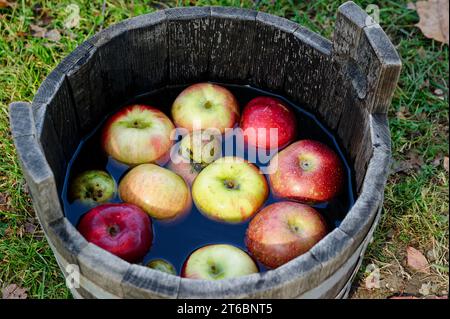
column 162, row 265
column 92, row 187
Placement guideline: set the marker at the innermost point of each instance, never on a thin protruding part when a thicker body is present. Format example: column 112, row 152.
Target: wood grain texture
column 291, row 279
column 21, row 119
column 39, row 179
column 366, row 56
column 307, row 69
column 361, row 216
column 59, row 106
column 273, row 41
column 332, row 251
column 103, row 268
column 189, row 45
column 66, row 240
column 142, row 282
column 232, row 34
column 51, row 145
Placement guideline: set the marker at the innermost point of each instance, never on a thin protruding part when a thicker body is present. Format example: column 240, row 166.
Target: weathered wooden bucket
column 348, row 83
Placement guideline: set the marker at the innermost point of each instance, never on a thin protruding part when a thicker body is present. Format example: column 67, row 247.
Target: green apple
column 162, row 265
column 205, row 105
column 92, row 187
column 216, row 262
column 230, row 190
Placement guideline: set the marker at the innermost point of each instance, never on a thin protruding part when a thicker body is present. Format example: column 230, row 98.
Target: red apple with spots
column 261, row 115
column 282, row 231
column 306, row 171
column 138, row 134
column 122, row 229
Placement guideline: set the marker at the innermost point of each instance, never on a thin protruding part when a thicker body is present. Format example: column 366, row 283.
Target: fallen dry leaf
column 30, row 228
column 73, row 20
column 425, row 289
column 53, row 35
column 413, row 161
column 6, row 4
column 372, row 280
column 4, row 202
column 434, row 19
column 446, row 163
column 14, row 292
column 416, row 260
column 37, row 31
column 40, row 32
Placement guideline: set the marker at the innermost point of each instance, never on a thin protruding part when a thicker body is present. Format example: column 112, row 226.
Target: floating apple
column 205, row 105
column 162, row 265
column 158, row 191
column 196, row 150
column 201, row 147
column 186, row 168
column 122, row 229
column 92, row 187
column 230, row 190
column 307, row 171
column 282, row 231
column 268, row 123
column 215, row 262
column 138, row 134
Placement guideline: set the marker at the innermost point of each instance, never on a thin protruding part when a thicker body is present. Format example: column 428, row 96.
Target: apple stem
column 207, row 105
column 113, row 230
column 231, row 184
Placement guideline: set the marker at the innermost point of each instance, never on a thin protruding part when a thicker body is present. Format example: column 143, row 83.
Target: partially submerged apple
column 162, row 265
column 268, row 123
column 205, row 105
column 122, row 229
column 138, row 134
column 158, row 191
column 196, row 151
column 92, row 187
column 306, row 171
column 230, row 190
column 282, row 231
column 216, row 262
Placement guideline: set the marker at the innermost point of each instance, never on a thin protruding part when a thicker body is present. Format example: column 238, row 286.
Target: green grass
column 416, row 201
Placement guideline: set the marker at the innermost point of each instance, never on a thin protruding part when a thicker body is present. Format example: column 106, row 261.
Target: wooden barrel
column 347, row 83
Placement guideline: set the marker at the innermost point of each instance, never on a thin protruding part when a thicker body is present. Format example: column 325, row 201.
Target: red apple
column 122, row 229
column 216, row 262
column 282, row 231
column 205, row 105
column 264, row 113
column 307, row 171
column 138, row 134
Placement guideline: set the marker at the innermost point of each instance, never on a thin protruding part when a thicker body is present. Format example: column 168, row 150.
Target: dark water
column 174, row 241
